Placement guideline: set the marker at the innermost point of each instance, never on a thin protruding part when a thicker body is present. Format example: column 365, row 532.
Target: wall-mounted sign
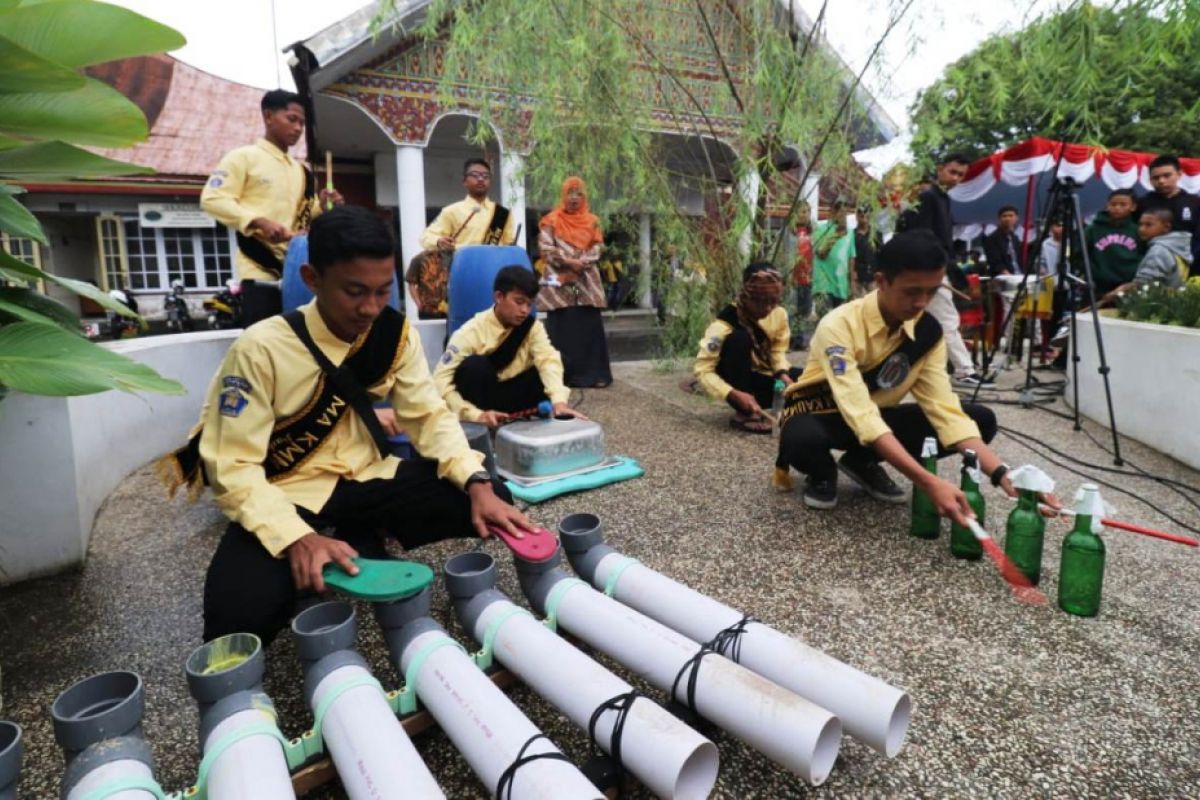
column 173, row 215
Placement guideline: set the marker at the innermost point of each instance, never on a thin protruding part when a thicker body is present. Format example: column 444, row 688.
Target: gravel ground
column 1011, row 701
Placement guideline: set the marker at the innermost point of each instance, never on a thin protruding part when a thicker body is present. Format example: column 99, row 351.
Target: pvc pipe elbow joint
column 538, row 578
column 582, row 537
column 98, row 724
column 403, row 620
column 471, row 583
column 12, row 749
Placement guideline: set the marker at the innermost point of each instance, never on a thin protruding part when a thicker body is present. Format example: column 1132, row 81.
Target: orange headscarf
column 580, row 229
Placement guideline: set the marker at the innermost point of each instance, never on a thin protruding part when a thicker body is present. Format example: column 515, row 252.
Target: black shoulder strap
column 343, row 380
column 496, row 227
column 503, row 355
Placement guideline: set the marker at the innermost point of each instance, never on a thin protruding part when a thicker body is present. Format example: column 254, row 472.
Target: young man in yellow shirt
column 501, row 361
column 267, row 197
column 744, row 350
column 288, row 453
column 475, row 220
column 864, row 358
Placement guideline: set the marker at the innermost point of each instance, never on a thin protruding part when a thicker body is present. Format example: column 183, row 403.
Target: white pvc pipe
column 374, row 757
column 122, row 769
column 487, row 728
column 253, row 768
column 869, row 709
column 783, row 726
column 667, row 756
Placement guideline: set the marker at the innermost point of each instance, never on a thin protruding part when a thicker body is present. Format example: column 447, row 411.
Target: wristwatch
column 483, row 476
column 998, row 474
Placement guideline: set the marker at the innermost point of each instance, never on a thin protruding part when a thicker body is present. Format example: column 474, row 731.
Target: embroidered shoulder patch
column 215, row 182
column 236, row 382
column 714, row 344
column 232, row 403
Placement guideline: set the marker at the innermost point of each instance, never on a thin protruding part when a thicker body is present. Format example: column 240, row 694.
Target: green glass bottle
column 926, row 524
column 1024, row 536
column 963, row 543
column 1081, row 573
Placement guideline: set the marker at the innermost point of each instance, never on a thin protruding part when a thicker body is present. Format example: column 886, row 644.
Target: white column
column 512, row 191
column 410, row 190
column 748, row 187
column 645, row 297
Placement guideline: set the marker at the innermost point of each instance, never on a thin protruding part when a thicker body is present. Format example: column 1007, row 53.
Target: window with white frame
column 201, row 258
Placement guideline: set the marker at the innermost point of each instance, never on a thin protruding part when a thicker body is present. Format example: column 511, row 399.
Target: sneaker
column 872, row 478
column 1061, row 336
column 821, row 492
column 975, row 379
column 781, row 479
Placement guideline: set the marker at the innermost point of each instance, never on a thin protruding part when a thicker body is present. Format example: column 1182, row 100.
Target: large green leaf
column 41, row 358
column 33, row 306
column 61, row 160
column 95, row 114
column 15, row 269
column 16, row 220
column 24, row 71
column 78, row 33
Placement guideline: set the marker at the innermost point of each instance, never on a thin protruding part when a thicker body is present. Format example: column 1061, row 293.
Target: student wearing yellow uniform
column 284, row 446
column 475, row 220
column 864, row 358
column 267, row 197
column 744, row 350
column 501, row 361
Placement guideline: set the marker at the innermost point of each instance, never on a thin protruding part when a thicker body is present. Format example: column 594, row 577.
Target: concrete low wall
column 61, row 457
column 1155, row 380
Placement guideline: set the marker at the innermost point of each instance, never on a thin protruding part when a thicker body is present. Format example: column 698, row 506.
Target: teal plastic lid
column 380, row 579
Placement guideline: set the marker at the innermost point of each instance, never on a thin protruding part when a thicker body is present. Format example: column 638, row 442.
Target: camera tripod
column 1063, row 206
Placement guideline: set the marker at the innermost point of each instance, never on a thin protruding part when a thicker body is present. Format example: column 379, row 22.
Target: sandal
column 759, row 425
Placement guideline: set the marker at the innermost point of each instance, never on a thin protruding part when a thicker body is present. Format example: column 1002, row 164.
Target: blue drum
column 471, row 276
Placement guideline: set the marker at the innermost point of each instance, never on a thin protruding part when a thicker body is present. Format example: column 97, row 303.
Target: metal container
column 541, row 448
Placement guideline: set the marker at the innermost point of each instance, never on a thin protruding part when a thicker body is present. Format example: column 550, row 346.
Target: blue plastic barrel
column 472, row 273
column 295, row 293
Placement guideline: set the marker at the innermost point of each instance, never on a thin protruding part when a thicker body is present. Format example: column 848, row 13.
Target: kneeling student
column 744, row 350
column 501, row 361
column 290, row 446
column 865, row 357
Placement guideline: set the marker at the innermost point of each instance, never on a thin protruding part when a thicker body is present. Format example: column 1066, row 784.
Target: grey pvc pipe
column 11, row 751
column 225, row 678
column 374, row 756
column 98, row 724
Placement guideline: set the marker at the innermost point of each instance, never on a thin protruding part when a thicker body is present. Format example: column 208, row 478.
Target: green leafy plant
column 648, row 100
column 1158, row 304
column 1118, row 75
column 48, row 108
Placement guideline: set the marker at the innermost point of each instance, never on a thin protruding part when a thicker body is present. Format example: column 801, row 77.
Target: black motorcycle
column 179, row 316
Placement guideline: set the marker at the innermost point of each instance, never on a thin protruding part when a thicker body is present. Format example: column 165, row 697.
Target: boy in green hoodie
column 1113, row 245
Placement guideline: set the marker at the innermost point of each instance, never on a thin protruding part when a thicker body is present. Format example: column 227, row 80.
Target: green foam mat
column 626, row 470
column 379, row 579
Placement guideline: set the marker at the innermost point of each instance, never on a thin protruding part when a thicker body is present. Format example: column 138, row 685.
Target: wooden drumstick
column 329, row 178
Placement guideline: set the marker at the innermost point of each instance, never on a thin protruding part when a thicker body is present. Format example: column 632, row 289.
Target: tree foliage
column 582, row 78
column 1125, row 76
column 48, row 108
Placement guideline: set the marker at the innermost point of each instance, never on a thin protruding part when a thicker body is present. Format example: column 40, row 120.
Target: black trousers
column 259, row 301
column 478, row 383
column 248, row 590
column 736, row 367
column 807, row 439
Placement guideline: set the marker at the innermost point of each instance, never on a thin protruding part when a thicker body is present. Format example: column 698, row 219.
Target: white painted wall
column 1155, row 381
column 61, row 457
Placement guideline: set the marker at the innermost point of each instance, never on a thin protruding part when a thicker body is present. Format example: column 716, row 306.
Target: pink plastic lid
column 538, row 544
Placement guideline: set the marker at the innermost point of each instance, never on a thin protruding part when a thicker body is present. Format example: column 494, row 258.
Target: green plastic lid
column 380, row 580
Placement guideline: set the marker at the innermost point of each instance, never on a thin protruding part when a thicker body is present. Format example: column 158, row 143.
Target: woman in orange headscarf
column 570, row 241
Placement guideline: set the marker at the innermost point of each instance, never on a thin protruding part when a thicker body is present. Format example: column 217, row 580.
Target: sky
column 234, row 38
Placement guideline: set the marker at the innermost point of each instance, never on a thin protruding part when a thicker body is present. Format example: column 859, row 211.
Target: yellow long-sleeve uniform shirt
column 275, row 376
column 854, row 338
column 775, row 325
column 454, row 215
column 482, row 335
column 258, row 180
